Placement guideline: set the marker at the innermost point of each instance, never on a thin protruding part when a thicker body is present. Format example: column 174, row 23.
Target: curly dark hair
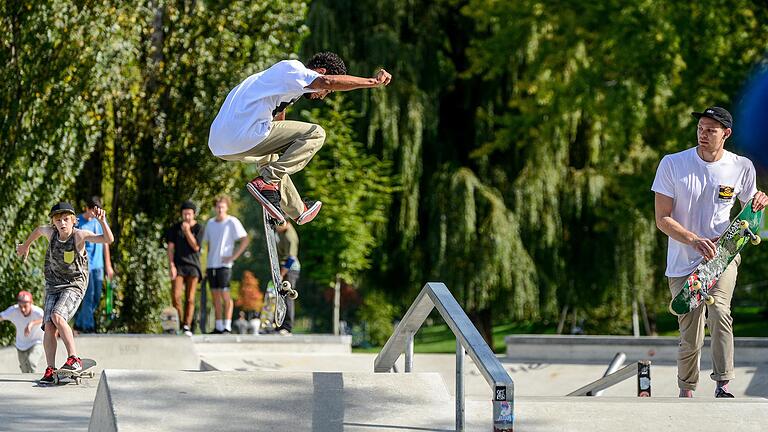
column 331, row 62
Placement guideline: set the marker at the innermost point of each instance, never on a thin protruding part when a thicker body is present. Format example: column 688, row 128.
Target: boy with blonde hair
column 66, row 278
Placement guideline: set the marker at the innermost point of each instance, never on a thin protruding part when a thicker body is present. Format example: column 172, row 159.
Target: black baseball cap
column 716, row 113
column 62, row 207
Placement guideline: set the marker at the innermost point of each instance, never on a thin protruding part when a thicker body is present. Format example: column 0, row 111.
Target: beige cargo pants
column 720, row 325
column 287, row 150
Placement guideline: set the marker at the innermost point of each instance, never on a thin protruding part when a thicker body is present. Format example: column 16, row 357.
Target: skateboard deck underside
column 271, row 237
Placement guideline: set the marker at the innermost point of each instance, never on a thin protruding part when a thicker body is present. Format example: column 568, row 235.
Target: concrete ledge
column 601, row 349
column 299, row 343
column 631, row 414
column 115, row 351
column 268, row 401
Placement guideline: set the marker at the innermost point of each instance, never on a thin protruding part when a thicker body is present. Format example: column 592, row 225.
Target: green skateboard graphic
column 742, row 230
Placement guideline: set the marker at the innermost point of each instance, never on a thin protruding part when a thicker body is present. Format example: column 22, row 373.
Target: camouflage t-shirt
column 65, row 268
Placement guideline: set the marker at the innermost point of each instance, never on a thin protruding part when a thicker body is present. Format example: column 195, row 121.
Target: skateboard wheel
column 756, row 240
column 743, row 224
column 285, row 286
column 697, row 285
column 710, row 300
column 293, row 294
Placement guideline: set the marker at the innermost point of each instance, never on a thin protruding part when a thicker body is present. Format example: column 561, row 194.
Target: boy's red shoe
column 73, row 363
column 48, row 376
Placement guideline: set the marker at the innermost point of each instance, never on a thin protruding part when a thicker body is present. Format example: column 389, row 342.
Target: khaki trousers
column 30, row 359
column 298, row 142
column 720, row 325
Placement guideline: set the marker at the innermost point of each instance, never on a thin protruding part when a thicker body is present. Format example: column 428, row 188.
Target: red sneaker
column 73, row 363
column 311, row 209
column 268, row 195
column 48, row 376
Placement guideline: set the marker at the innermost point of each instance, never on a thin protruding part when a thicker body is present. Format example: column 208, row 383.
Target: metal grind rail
column 435, row 295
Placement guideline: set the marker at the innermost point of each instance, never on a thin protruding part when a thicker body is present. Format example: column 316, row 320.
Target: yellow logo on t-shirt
column 726, row 192
column 69, row 257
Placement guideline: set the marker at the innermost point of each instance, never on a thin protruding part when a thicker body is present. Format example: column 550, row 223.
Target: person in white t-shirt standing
column 221, row 233
column 251, row 127
column 694, row 193
column 28, row 320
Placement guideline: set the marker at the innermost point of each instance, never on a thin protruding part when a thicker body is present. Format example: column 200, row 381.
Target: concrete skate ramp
column 632, row 414
column 269, row 401
column 363, row 402
column 601, row 349
column 116, row 351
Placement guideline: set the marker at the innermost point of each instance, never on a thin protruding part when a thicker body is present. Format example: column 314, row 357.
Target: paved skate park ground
column 315, row 382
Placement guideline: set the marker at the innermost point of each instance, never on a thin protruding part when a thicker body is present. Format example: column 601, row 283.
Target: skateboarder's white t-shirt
column 14, row 315
column 221, row 238
column 245, row 118
column 703, row 193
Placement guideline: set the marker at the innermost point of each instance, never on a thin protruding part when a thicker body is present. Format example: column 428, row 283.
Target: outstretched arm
column 349, row 82
column 22, row 250
column 107, row 237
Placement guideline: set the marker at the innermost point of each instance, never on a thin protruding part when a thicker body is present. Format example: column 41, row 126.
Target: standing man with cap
column 694, row 193
column 184, row 241
column 29, row 334
column 99, row 263
column 66, row 278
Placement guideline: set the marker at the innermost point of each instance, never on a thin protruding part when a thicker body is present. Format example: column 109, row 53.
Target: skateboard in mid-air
column 741, row 231
column 283, row 288
column 64, row 376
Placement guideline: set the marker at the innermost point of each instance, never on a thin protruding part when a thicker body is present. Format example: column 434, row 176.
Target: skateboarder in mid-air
column 251, row 127
column 695, row 190
column 66, row 278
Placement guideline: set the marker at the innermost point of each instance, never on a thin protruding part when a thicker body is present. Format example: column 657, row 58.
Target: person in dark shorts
column 221, row 233
column 66, row 278
column 184, row 240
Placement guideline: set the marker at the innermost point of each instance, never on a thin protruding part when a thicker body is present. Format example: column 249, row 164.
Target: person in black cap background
column 66, row 278
column 695, row 190
column 184, row 240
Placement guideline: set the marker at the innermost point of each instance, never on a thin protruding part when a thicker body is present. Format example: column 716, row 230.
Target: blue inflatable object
column 750, row 125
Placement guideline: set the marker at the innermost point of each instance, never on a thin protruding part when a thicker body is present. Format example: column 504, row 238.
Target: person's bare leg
column 217, row 309
column 177, row 285
column 229, row 305
column 66, row 333
column 49, row 344
column 189, row 311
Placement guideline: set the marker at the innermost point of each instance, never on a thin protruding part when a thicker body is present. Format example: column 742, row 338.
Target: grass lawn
column 748, row 321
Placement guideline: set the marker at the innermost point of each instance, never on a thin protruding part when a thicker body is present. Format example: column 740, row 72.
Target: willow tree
column 583, row 109
column 47, row 124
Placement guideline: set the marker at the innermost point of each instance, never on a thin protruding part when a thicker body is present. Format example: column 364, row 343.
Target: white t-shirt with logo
column 221, row 238
column 14, row 315
column 703, row 193
column 245, row 118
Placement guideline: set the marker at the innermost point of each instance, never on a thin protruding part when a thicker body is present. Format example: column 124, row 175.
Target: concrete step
column 601, row 349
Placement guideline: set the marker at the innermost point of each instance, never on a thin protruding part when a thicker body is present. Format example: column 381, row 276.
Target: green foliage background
column 511, row 156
